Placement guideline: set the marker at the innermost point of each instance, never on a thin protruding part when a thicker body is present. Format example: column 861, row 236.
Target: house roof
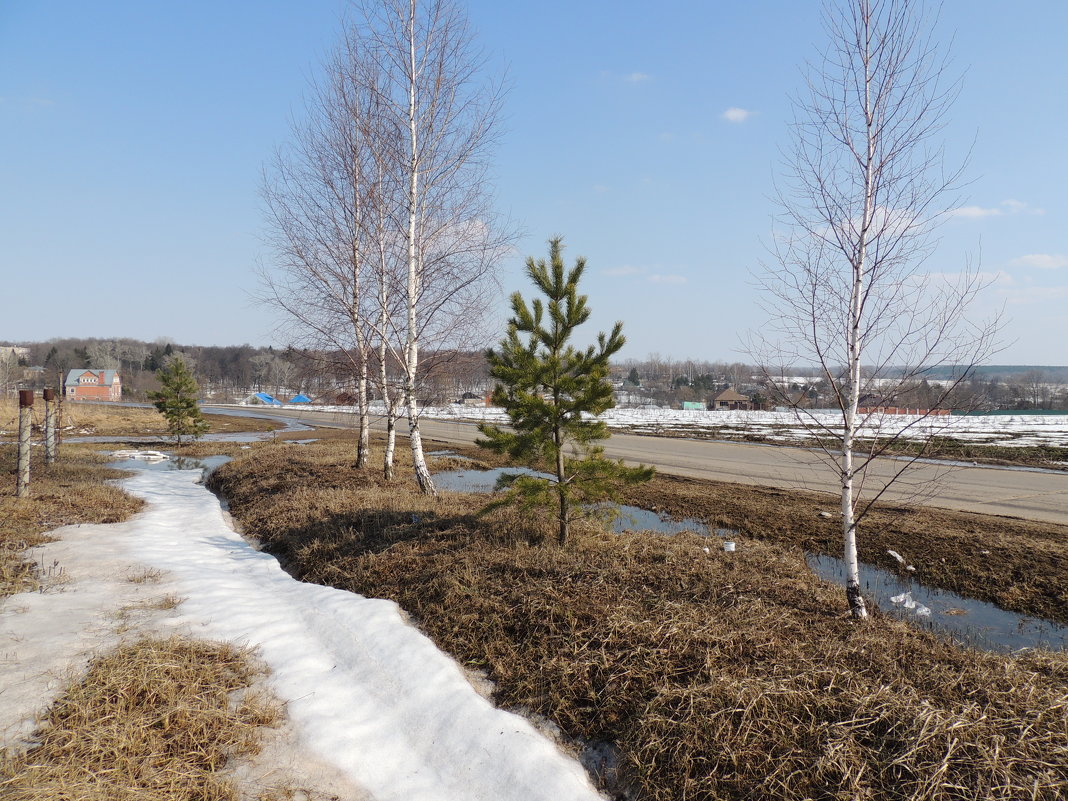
column 74, row 375
column 730, row 395
column 263, row 397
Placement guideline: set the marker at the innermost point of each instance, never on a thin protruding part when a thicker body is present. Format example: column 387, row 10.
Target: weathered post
column 50, row 426
column 22, row 484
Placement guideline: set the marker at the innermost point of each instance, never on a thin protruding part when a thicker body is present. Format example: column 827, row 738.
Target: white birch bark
column 411, row 350
column 848, row 292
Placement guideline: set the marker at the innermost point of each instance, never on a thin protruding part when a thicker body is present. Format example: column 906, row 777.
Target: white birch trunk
column 855, row 347
column 364, row 447
column 411, row 350
column 364, row 439
column 391, row 441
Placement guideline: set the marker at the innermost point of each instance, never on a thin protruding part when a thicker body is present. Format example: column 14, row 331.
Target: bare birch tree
column 318, row 195
column 433, row 91
column 849, row 290
column 381, row 211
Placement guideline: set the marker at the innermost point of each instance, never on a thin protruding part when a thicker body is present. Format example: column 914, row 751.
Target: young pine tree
column 177, row 401
column 546, row 385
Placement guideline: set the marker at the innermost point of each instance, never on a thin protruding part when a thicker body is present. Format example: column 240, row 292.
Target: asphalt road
column 1028, row 494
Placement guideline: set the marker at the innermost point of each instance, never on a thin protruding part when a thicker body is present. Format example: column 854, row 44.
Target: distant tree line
column 231, row 372
column 667, row 381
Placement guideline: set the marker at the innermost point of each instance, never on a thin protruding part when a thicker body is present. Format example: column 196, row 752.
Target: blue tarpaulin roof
column 263, row 397
column 300, row 399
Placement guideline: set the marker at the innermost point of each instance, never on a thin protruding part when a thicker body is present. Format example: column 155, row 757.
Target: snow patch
column 369, row 693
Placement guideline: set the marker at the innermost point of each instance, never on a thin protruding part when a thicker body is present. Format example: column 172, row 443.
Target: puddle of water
column 481, row 481
column 634, row 518
column 976, row 623
column 205, row 464
column 629, row 518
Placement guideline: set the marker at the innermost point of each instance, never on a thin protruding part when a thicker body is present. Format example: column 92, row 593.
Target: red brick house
column 94, row 385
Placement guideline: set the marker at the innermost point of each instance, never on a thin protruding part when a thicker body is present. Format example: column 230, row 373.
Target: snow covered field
column 1018, row 431
column 367, row 692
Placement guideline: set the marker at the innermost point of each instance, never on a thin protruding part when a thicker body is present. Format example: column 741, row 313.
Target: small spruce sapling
column 177, row 401
column 552, row 393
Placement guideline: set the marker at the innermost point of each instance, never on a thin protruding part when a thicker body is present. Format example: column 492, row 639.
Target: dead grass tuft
column 103, row 420
column 715, row 675
column 147, row 575
column 154, row 721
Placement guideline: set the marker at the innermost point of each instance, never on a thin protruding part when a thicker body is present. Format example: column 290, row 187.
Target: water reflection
column 205, row 463
column 976, row 623
column 623, row 517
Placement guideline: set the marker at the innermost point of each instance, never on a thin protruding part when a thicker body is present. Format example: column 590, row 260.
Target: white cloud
column 1004, row 209
column 737, row 115
column 1044, row 261
column 974, row 212
column 657, row 278
column 624, row 270
column 1019, row 207
column 1034, row 294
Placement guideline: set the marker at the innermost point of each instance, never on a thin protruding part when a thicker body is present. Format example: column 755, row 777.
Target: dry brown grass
column 74, row 490
column 155, row 720
column 717, row 675
column 1024, row 567
column 101, row 420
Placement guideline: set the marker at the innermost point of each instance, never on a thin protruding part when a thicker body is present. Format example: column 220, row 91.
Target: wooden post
column 22, row 485
column 50, row 426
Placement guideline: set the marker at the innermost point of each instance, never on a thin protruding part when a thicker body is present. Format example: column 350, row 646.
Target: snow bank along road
column 367, row 691
column 989, row 490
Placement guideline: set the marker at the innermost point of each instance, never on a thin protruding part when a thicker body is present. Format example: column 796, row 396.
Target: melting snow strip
column 369, row 692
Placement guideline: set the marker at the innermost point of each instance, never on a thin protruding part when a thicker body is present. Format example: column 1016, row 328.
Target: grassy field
column 154, row 720
column 712, row 675
column 102, row 420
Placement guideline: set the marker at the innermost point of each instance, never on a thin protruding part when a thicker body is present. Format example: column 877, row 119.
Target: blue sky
column 133, row 134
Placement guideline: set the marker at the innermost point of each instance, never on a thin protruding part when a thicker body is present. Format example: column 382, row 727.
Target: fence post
column 50, row 426
column 22, row 484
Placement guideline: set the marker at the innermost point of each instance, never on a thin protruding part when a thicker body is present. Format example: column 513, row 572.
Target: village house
column 729, row 400
column 93, row 385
